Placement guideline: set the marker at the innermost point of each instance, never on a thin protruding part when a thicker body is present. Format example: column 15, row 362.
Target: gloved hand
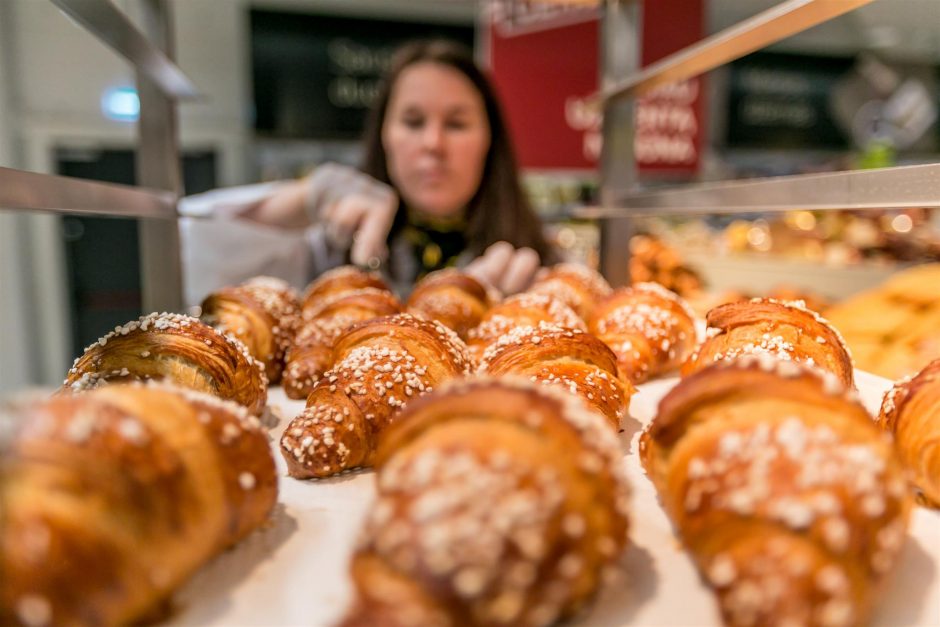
column 354, row 209
column 506, row 268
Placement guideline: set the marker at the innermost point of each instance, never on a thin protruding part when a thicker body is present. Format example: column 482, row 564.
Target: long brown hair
column 500, row 209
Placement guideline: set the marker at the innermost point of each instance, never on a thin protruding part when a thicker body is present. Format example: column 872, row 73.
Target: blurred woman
column 438, row 186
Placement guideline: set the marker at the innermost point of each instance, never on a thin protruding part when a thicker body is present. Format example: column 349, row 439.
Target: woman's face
column 436, row 135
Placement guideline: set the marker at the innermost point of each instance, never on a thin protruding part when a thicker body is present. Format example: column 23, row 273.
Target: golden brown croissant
column 263, row 313
column 499, row 503
column 112, row 498
column 649, row 328
column 911, row 412
column 336, row 281
column 453, row 298
column 570, row 359
column 311, row 353
column 784, row 330
column 176, row 348
column 654, row 261
column 792, row 503
column 520, row 310
column 379, row 366
column 574, row 284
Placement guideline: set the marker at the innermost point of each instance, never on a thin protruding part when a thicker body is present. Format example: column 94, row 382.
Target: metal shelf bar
column 886, row 188
column 61, row 194
column 766, row 28
column 106, row 22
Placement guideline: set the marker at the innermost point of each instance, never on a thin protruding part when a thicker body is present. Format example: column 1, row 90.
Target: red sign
column 668, row 135
column 542, row 60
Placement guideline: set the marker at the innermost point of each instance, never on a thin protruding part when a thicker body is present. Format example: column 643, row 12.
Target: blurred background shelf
column 756, row 274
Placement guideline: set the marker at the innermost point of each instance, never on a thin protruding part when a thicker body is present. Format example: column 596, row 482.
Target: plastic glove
column 351, row 208
column 506, row 268
column 354, row 209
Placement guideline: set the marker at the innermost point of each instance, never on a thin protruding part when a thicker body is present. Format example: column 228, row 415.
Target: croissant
column 311, row 353
column 791, row 501
column 784, row 330
column 380, row 365
column 520, row 310
column 176, row 348
column 453, row 298
column 911, row 412
column 336, row 281
column 649, row 328
column 499, row 503
column 263, row 313
column 571, row 359
column 574, row 284
column 112, row 498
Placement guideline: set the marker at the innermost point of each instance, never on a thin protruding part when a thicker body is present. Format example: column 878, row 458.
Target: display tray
column 295, row 571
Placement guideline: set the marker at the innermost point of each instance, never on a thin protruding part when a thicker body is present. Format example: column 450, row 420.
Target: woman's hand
column 355, row 210
column 506, row 268
column 362, row 220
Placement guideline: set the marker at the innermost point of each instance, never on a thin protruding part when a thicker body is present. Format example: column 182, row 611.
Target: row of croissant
column 501, row 498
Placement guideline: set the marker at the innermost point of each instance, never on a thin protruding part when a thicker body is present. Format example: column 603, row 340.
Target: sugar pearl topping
column 279, row 304
column 899, row 390
column 479, row 519
column 595, row 432
column 524, row 335
column 271, row 283
column 829, row 382
column 380, row 378
column 591, row 278
column 654, row 323
column 90, row 377
column 560, row 289
column 773, row 345
column 154, row 321
column 455, row 346
column 158, row 322
column 659, row 290
column 902, row 389
column 794, row 473
column 592, row 383
column 460, row 515
column 759, row 590
column 800, row 305
column 504, row 316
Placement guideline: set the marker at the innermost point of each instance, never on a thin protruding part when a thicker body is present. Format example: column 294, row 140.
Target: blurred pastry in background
column 894, row 330
column 652, row 261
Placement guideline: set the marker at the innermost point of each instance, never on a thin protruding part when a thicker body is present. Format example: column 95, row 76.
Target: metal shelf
column 106, row 22
column 61, row 194
column 766, row 28
column 887, row 188
column 161, row 84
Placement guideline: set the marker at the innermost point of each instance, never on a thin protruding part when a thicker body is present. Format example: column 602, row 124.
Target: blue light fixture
column 121, row 104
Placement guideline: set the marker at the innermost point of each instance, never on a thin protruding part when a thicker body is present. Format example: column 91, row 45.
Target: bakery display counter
column 296, row 570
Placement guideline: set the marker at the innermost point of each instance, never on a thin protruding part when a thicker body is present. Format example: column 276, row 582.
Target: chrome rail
column 885, row 188
column 62, row 194
column 110, row 25
column 766, row 28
